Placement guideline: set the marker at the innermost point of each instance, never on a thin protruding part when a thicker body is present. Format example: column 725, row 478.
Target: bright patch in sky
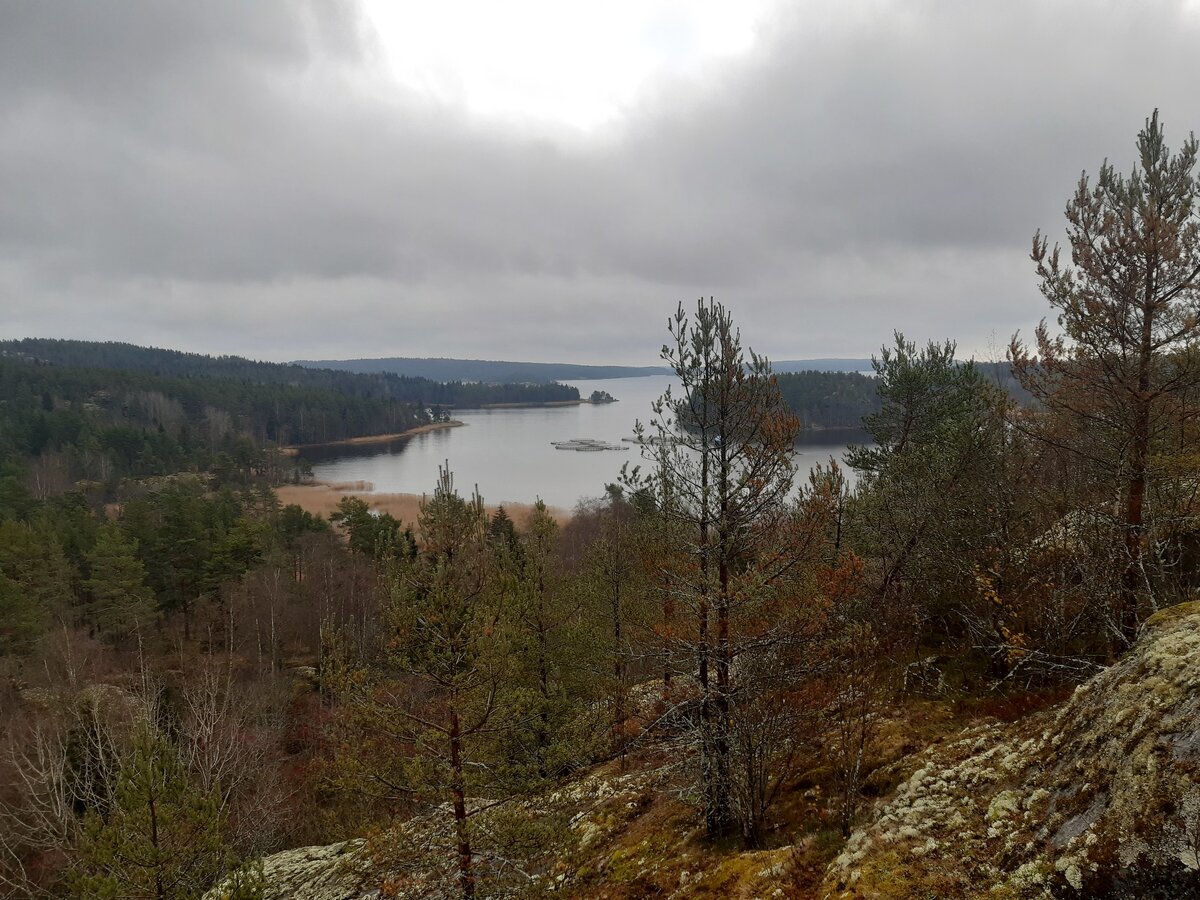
column 562, row 61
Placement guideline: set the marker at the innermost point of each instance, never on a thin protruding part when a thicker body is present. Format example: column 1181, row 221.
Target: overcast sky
column 545, row 180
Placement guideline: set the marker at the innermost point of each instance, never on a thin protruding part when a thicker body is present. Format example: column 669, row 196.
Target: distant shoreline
column 534, row 404
column 294, row 449
column 804, row 428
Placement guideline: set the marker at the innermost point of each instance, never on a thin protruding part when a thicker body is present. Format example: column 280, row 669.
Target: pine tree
column 925, row 505
column 161, row 839
column 614, row 571
column 441, row 687
column 379, row 535
column 1128, row 304
column 723, row 471
column 550, row 648
column 120, row 602
column 21, row 619
column 35, row 583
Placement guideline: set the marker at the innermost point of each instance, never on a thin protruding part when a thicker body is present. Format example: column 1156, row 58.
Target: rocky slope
column 1098, row 798
column 332, row 872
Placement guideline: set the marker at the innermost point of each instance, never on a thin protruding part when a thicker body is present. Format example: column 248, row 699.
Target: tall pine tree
column 119, row 600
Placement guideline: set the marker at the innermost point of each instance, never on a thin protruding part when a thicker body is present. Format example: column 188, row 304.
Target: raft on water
column 585, row 444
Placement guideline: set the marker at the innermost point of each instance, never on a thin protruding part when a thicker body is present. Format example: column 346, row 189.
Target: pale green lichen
column 1044, row 806
column 1003, row 805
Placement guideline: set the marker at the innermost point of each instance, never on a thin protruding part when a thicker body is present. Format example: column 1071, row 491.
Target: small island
column 596, row 397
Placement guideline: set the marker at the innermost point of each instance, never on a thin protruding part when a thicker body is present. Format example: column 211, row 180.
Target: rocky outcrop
column 332, row 872
column 416, row 861
column 1098, row 798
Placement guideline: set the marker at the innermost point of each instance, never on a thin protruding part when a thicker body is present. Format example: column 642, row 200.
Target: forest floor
column 629, row 828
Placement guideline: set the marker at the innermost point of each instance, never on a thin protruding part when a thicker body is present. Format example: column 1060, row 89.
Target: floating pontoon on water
column 585, row 444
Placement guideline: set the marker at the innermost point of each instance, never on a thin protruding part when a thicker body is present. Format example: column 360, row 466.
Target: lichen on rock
column 331, row 872
column 1098, row 798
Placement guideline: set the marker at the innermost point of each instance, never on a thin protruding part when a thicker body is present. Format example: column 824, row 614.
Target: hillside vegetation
column 1064, row 803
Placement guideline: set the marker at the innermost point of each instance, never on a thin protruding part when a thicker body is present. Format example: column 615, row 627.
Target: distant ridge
column 491, row 370
column 824, row 364
column 488, row 370
column 370, row 385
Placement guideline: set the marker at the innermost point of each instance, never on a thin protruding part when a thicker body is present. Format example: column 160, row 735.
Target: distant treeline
column 1001, row 375
column 829, row 399
column 420, row 392
column 822, row 364
column 491, row 370
column 841, row 399
column 484, row 370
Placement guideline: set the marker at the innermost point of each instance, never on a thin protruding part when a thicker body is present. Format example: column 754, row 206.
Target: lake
column 507, row 452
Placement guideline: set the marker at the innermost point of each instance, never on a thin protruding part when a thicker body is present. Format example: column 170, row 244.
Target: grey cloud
column 236, row 177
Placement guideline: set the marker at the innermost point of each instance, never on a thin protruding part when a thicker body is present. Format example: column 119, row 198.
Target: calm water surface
column 507, row 452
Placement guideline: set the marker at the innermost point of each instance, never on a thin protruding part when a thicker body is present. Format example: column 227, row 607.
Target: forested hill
column 829, row 399
column 100, row 425
column 421, row 392
column 485, row 370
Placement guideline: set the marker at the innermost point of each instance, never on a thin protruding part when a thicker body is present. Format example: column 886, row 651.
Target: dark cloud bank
column 240, row 177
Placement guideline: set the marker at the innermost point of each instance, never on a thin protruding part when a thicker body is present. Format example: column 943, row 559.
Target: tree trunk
column 702, row 606
column 668, row 614
column 618, row 658
column 466, row 876
column 618, row 719
column 719, row 817
column 1127, row 613
column 159, row 889
column 543, row 738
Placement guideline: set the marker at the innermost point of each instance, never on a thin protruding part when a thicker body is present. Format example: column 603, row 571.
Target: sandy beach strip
column 322, row 499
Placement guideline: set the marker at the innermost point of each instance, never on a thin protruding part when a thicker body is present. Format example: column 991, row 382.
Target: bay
column 508, row 452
